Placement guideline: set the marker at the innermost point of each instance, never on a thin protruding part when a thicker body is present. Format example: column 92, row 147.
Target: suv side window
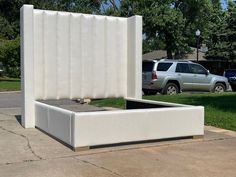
column 197, row 69
column 163, row 66
column 182, row 68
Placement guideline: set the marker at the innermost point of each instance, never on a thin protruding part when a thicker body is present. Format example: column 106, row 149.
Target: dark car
column 231, row 75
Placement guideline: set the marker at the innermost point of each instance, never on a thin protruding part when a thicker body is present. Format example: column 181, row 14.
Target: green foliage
column 10, row 57
column 10, row 26
column 6, row 30
column 223, row 38
column 162, row 24
column 171, row 24
column 167, row 24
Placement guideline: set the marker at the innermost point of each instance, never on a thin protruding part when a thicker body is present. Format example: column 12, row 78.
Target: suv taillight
column 154, row 75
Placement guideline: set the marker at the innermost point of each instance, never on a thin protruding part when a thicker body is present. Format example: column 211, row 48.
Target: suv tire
column 171, row 89
column 219, row 88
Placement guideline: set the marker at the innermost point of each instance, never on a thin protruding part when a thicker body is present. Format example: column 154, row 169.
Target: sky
column 223, row 4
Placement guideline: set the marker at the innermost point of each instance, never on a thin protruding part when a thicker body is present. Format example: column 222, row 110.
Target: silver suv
column 174, row 76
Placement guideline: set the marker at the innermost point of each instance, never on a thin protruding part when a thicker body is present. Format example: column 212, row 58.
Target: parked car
column 174, row 76
column 230, row 74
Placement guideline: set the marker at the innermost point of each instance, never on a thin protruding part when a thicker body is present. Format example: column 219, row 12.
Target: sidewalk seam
column 100, row 167
column 27, row 140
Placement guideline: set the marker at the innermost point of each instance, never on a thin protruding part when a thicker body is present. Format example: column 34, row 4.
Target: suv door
column 184, row 76
column 201, row 79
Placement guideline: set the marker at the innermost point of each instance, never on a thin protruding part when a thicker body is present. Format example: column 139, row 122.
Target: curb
column 5, row 92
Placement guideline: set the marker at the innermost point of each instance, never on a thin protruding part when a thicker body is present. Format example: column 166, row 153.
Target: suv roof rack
column 177, row 60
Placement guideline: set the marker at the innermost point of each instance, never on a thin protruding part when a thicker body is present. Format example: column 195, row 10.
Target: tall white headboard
column 71, row 55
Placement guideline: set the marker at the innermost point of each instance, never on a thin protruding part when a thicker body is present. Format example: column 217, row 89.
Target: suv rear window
column 148, row 66
column 163, row 66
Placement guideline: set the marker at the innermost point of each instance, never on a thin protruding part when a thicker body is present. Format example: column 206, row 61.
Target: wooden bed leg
column 78, row 149
column 198, row 136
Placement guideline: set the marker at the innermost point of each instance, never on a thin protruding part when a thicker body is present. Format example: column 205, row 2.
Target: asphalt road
column 10, row 99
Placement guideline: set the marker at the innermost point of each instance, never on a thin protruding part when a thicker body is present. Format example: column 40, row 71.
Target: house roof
column 159, row 54
column 156, row 54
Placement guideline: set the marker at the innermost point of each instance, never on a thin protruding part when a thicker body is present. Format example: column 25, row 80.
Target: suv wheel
column 219, row 88
column 171, row 89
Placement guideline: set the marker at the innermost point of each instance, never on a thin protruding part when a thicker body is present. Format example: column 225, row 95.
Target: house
column 215, row 66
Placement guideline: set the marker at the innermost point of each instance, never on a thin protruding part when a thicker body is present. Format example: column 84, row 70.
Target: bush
column 10, row 57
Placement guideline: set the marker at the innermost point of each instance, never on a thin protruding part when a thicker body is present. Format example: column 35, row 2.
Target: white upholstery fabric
column 70, row 55
column 55, row 121
column 108, row 127
column 78, row 56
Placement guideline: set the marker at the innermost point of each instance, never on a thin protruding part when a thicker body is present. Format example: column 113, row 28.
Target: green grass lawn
column 9, row 84
column 220, row 109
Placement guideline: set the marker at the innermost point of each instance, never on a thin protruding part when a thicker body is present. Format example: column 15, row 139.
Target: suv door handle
column 195, row 75
column 179, row 74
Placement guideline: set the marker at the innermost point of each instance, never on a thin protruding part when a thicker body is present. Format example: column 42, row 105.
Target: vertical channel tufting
column 99, row 71
column 117, row 58
column 93, row 57
column 56, row 44
column 63, row 55
column 38, row 54
column 75, row 55
column 111, row 61
column 87, row 55
column 134, row 62
column 43, row 59
column 105, row 79
column 69, row 66
column 79, row 56
column 124, row 42
column 50, row 54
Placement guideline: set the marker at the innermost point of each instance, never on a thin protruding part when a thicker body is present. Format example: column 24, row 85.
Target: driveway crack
column 100, row 167
column 27, row 140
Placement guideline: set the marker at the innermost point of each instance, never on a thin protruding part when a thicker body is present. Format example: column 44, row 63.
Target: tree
column 171, row 24
column 223, row 40
column 10, row 25
column 9, row 56
column 162, row 24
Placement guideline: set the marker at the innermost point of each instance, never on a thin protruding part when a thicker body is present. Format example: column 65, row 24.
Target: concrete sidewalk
column 31, row 153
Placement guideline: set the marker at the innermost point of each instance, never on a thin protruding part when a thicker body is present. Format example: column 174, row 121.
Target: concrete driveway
column 31, row 153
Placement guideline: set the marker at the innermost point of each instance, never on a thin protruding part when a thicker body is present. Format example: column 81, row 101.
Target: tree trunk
column 169, row 53
column 169, row 41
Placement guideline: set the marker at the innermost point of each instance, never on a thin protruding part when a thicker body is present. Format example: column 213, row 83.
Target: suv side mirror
column 207, row 72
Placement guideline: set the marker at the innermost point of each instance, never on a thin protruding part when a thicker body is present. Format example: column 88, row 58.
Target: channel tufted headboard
column 72, row 55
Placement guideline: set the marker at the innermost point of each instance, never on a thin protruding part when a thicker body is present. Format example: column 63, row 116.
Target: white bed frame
column 70, row 55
